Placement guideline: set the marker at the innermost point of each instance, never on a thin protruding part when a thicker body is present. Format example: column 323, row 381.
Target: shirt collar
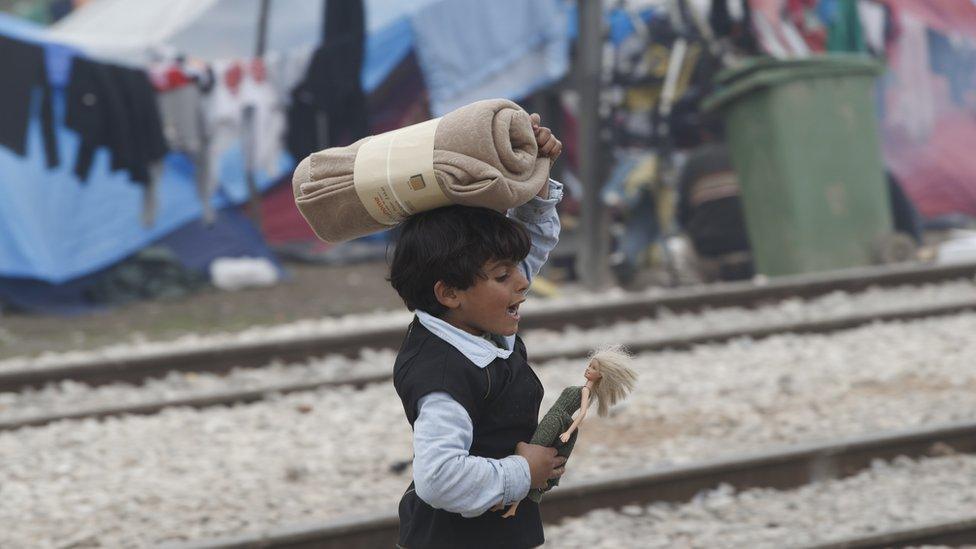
column 477, row 349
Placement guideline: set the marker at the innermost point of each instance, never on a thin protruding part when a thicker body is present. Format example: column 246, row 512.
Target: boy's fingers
column 560, row 461
column 535, row 119
column 551, row 149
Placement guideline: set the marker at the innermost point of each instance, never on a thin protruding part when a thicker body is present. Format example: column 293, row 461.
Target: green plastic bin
column 803, row 139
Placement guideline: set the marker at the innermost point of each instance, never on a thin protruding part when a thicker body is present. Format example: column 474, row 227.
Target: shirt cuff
column 539, row 209
column 517, row 479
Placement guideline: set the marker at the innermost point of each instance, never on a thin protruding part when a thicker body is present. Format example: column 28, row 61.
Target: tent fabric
column 524, row 45
column 942, row 16
column 934, row 166
column 520, row 35
column 924, row 132
column 17, row 27
column 55, row 228
column 135, row 31
column 194, row 244
column 937, row 174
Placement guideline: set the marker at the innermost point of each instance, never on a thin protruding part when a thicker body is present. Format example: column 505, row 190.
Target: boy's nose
column 521, row 282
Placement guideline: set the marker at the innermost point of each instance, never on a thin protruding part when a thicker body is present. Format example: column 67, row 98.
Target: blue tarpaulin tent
column 55, row 228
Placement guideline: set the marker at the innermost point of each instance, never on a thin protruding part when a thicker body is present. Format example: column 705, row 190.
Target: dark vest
column 503, row 401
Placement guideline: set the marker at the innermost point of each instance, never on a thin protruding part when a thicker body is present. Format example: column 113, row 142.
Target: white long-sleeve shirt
column 445, row 475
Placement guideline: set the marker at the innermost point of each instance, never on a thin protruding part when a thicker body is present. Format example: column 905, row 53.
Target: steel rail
column 243, row 396
column 780, row 469
column 952, row 533
column 223, row 358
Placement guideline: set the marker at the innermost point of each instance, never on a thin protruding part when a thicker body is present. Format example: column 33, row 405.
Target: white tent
column 130, row 30
column 467, row 49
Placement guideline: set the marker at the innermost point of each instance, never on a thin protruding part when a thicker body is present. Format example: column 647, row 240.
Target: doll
column 609, row 378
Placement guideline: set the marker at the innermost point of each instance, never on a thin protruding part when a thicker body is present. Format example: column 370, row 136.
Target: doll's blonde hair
column 617, row 377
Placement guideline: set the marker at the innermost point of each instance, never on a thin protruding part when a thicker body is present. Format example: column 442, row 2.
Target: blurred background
column 147, row 217
column 734, row 169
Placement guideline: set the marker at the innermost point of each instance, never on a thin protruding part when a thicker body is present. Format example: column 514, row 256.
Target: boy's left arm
column 541, row 221
column 538, row 215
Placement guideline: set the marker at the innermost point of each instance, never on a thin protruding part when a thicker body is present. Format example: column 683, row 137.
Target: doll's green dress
column 556, row 421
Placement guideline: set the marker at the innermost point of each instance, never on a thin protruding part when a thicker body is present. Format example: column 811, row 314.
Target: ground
column 312, row 292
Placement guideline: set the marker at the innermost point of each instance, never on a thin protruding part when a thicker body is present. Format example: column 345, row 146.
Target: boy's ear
column 446, row 295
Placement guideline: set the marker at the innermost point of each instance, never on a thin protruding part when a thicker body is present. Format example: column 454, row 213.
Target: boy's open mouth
column 513, row 310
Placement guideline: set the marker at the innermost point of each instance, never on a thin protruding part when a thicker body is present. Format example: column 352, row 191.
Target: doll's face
column 592, row 372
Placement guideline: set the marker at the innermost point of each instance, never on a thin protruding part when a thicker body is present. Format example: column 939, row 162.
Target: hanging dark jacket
column 114, row 107
column 332, row 85
column 23, row 68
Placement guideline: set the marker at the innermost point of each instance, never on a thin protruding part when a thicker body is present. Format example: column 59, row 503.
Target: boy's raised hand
column 549, row 146
column 544, row 464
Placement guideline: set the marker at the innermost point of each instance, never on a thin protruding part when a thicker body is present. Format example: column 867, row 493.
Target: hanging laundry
column 329, row 106
column 710, row 211
column 778, row 38
column 23, row 67
column 845, row 33
column 775, row 29
column 182, row 85
column 241, row 86
column 181, row 105
column 641, row 65
column 743, row 37
column 114, row 107
column 286, row 69
column 873, row 23
column 954, row 60
column 720, row 18
column 803, row 15
column 915, row 110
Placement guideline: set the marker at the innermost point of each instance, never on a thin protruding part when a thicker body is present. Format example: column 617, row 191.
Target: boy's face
column 491, row 304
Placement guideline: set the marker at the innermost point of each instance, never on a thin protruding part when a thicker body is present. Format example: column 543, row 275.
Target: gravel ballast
column 187, row 474
column 666, row 324
column 889, row 496
column 69, row 396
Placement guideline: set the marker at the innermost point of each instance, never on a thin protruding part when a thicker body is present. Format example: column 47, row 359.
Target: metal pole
column 250, row 131
column 261, row 45
column 592, row 257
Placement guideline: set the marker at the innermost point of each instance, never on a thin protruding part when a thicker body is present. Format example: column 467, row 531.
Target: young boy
column 462, row 373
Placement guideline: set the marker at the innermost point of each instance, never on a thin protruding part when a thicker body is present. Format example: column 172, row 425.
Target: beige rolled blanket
column 484, row 155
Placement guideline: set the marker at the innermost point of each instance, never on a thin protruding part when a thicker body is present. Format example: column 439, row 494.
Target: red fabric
column 939, row 172
column 258, row 71
column 941, row 15
column 281, row 221
column 939, row 175
column 233, row 77
column 168, row 76
column 798, row 11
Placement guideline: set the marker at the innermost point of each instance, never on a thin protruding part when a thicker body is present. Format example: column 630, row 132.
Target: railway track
column 783, row 469
column 953, row 534
column 229, row 397
column 222, row 358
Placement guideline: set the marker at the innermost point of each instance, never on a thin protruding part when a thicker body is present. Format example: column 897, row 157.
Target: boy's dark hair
column 451, row 244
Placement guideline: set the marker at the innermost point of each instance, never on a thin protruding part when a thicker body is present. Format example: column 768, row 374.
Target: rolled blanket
column 484, row 155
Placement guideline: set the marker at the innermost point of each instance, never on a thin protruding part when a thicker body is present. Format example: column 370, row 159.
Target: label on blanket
column 394, row 173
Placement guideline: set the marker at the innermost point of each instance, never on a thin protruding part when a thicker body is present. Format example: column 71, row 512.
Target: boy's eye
column 502, row 278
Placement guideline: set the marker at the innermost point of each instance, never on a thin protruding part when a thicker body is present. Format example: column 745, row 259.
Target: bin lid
column 760, row 72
